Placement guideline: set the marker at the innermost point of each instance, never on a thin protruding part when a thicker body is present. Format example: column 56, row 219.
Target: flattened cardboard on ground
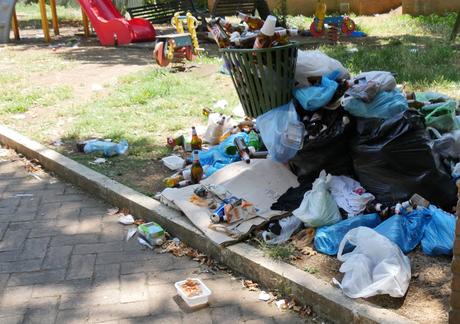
column 261, row 182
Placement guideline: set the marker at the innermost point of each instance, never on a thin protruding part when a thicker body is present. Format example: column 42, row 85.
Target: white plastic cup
column 269, row 26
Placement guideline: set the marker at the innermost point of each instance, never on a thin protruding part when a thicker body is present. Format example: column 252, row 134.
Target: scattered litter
column 252, row 286
column 352, row 50
column 106, row 147
column 152, row 232
column 220, row 104
column 24, row 195
column 131, row 233
column 281, row 304
column 96, row 87
column 4, row 152
column 113, row 211
column 144, row 243
column 280, row 231
column 57, row 143
column 264, row 296
column 173, row 162
column 98, row 161
column 238, row 111
column 126, row 219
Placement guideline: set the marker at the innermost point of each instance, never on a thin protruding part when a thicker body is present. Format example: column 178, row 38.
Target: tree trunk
column 456, row 28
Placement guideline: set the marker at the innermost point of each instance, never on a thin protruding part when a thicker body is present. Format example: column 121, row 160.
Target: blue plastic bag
column 328, row 238
column 439, row 235
column 314, row 97
column 218, row 156
column 385, row 105
column 406, row 230
column 107, row 148
column 281, row 132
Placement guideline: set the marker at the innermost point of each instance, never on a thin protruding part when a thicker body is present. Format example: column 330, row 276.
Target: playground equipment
column 112, row 28
column 317, row 28
column 109, row 25
column 175, row 47
column 8, row 19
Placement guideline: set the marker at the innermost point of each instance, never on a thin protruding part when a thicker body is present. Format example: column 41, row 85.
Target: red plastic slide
column 110, row 25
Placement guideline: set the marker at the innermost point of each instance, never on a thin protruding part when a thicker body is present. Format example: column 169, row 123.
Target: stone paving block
column 26, row 225
column 27, row 204
column 57, row 289
column 3, row 227
column 226, row 314
column 91, row 212
column 57, row 257
column 98, row 248
column 20, row 266
column 114, row 232
column 107, row 276
column 105, row 313
column 162, row 299
column 41, row 310
column 74, row 239
column 13, row 240
column 16, row 296
column 90, row 298
column 8, row 204
column 9, row 255
column 21, row 216
column 72, row 316
column 3, row 280
column 53, row 197
column 256, row 309
column 172, row 276
column 48, row 210
column 15, row 319
column 34, row 248
column 31, row 278
column 118, row 257
column 172, row 318
column 133, row 287
column 90, row 226
column 81, row 266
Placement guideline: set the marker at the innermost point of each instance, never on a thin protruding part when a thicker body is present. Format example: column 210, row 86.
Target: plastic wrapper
column 376, row 265
column 282, row 132
column 393, row 160
column 314, row 97
column 288, row 227
column 386, row 80
column 316, row 64
column 318, row 208
column 385, row 105
column 350, row 195
column 328, row 238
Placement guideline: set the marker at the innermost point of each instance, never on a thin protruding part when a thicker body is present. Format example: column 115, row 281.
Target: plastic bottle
column 196, row 142
column 173, row 181
column 253, row 23
column 267, row 32
column 217, row 132
column 254, row 140
column 197, row 169
column 107, row 148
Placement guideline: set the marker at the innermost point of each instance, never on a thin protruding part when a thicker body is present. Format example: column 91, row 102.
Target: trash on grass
column 264, row 296
column 173, row 162
column 98, row 161
column 107, row 148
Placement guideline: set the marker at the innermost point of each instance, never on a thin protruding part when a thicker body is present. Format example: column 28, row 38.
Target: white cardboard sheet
column 261, row 182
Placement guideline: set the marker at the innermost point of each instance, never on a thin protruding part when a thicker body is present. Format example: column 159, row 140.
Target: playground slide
column 6, row 10
column 112, row 28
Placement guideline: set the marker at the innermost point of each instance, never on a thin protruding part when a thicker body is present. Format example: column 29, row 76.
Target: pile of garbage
column 365, row 164
column 252, row 32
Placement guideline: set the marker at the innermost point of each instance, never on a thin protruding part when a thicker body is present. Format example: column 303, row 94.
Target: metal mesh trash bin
column 263, row 78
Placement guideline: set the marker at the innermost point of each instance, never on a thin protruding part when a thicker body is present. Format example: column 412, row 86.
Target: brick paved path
column 64, row 260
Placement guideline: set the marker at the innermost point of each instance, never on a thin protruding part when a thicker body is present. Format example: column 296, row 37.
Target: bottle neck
column 194, row 132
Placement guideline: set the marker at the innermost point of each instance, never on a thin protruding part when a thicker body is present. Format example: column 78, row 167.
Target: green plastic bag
column 440, row 115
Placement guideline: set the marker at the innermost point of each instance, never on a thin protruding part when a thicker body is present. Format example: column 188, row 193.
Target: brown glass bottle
column 253, row 23
column 196, row 141
column 197, row 169
column 219, row 34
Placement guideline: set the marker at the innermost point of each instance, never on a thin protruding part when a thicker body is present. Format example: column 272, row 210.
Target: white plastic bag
column 376, row 266
column 386, row 80
column 349, row 195
column 316, row 64
column 288, row 226
column 318, row 207
column 210, row 135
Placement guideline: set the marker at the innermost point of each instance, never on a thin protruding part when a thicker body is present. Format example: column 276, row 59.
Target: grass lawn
column 146, row 105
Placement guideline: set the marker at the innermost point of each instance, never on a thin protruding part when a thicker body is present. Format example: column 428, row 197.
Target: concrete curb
column 325, row 299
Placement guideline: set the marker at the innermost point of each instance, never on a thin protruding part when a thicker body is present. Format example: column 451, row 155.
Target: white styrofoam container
column 173, row 162
column 197, row 300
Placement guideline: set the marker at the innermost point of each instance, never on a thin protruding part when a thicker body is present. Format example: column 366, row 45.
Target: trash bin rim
column 249, row 50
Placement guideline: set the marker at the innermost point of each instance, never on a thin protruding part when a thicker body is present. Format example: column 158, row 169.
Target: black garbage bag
column 328, row 151
column 393, row 160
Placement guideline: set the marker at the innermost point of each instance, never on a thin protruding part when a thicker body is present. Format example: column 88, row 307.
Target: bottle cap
column 269, row 26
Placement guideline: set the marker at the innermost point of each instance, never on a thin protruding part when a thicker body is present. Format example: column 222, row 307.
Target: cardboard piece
column 261, row 182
